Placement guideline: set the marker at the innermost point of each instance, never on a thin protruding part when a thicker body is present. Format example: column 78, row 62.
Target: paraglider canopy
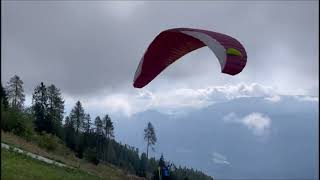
column 172, row 44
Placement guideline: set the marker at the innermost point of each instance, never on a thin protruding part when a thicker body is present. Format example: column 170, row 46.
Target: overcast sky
column 90, row 50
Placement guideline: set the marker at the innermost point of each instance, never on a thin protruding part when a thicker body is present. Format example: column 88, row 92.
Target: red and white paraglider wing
column 172, row 44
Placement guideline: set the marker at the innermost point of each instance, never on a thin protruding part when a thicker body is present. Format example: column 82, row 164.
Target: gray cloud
column 94, row 47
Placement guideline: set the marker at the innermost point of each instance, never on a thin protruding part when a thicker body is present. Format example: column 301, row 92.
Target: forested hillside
column 90, row 139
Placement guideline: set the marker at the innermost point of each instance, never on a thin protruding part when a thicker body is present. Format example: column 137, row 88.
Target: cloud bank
column 176, row 101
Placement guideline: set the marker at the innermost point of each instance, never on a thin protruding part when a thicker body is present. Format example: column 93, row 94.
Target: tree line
column 90, row 139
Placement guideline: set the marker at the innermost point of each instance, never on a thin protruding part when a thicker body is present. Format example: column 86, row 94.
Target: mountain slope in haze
column 252, row 137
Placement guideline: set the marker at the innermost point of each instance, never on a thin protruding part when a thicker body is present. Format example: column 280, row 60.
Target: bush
column 90, row 154
column 17, row 122
column 48, row 141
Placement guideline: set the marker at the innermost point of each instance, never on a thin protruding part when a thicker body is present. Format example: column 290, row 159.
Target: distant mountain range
column 243, row 138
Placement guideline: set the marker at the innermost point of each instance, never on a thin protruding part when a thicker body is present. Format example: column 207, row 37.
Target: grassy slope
column 18, row 166
column 64, row 155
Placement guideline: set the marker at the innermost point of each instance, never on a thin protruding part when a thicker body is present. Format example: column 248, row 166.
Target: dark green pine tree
column 15, row 92
column 99, row 137
column 87, row 124
column 152, row 164
column 87, row 130
column 4, row 97
column 143, row 165
column 55, row 109
column 108, row 127
column 77, row 115
column 40, row 106
column 70, row 133
column 99, row 126
column 111, row 154
column 150, row 136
